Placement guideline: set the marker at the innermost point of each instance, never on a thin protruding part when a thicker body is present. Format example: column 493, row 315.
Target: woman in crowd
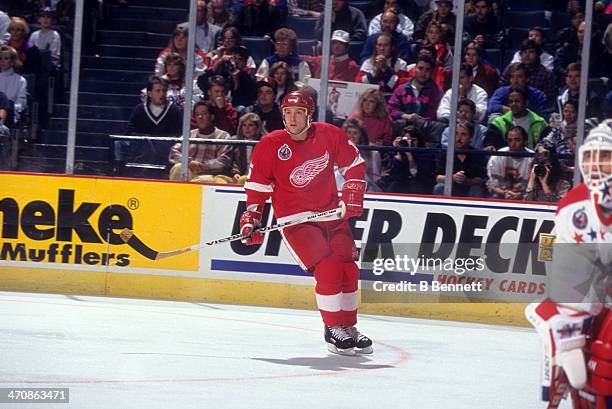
column 546, row 182
column 284, row 80
column 178, row 44
column 230, row 40
column 250, row 128
column 13, row 85
column 435, row 36
column 372, row 110
column 384, row 67
column 410, row 172
column 358, row 134
column 285, row 49
column 174, row 74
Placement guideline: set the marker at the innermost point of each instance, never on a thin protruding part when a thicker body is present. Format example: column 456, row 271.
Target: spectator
column 174, row 68
column 47, row 39
column 250, row 128
column 358, row 134
column 225, row 115
column 466, row 90
column 266, row 107
column 284, row 81
column 230, row 40
column 519, row 115
column 218, row 13
column 572, row 90
column 443, row 15
column 546, row 183
column 410, row 172
column 389, row 24
column 405, row 26
column 178, row 44
column 29, row 55
column 571, row 52
column 498, row 104
column 241, row 83
column 537, row 34
column 466, row 111
column 312, row 8
column 5, row 133
column 508, row 175
column 259, row 19
column 539, row 77
column 372, row 110
column 485, row 75
column 156, row 116
column 436, row 37
column 384, row 67
column 346, row 18
column 419, row 97
column 561, row 137
column 285, row 49
column 206, row 33
column 207, row 162
column 468, row 169
column 13, row 85
column 483, row 28
column 570, row 34
column 439, row 75
column 341, row 67
column 5, row 20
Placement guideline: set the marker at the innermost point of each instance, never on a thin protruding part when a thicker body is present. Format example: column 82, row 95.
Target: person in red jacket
column 295, row 167
column 341, row 66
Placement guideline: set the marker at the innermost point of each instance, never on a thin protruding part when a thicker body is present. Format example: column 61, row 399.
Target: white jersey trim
column 358, row 160
column 258, row 187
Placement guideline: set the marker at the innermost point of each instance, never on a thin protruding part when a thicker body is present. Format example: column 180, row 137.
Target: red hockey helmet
column 298, row 99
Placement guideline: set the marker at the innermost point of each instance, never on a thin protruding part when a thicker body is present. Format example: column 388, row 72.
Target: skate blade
column 348, row 352
column 364, row 351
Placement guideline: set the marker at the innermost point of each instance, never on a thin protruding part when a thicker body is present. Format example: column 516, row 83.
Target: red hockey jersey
column 299, row 175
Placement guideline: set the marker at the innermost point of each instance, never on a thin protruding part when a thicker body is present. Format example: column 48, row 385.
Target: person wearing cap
column 389, row 24
column 266, row 106
column 443, row 15
column 47, row 38
column 341, row 66
column 405, row 26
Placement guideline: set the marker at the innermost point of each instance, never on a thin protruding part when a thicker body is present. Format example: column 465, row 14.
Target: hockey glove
column 352, row 198
column 250, row 221
column 563, row 334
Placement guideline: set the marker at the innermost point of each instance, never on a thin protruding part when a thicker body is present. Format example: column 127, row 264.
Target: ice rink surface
column 136, row 354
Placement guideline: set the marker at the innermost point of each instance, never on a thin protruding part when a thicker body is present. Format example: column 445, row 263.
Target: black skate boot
column 363, row 344
column 339, row 341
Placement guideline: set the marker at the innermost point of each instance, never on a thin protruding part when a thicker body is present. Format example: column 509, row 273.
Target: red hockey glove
column 250, row 220
column 563, row 334
column 352, row 198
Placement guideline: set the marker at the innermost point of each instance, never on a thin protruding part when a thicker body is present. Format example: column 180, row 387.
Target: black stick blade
column 134, row 242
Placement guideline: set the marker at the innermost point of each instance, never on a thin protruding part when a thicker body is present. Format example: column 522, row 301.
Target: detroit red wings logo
column 307, row 171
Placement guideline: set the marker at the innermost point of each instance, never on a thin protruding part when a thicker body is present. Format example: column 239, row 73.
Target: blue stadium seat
column 494, row 56
column 526, row 4
column 526, row 19
column 259, row 47
column 355, row 48
column 303, row 26
column 307, row 47
column 559, row 20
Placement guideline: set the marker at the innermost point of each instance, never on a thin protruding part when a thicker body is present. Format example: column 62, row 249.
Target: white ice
column 128, row 353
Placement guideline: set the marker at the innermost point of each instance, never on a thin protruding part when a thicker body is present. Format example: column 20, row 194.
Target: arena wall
column 61, row 234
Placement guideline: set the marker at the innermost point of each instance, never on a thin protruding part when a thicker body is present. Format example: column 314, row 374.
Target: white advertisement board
column 341, row 95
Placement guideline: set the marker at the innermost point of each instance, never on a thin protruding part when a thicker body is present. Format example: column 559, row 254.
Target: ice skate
column 339, row 341
column 363, row 344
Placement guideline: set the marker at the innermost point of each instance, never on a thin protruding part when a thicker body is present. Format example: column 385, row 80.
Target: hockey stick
column 134, row 242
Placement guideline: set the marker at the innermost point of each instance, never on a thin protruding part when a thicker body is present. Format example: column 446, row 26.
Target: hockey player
column 574, row 318
column 295, row 166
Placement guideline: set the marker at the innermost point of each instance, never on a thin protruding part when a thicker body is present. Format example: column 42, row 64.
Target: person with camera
column 410, row 172
column 546, row 183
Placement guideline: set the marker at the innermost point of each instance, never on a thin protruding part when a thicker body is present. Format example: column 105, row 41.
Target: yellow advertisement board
column 55, row 221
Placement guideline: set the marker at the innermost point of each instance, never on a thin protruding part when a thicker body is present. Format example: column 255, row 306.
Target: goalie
column 295, row 167
column 574, row 323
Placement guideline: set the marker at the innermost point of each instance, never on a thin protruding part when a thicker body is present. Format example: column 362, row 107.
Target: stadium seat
column 494, row 56
column 307, row 47
column 259, row 47
column 559, row 20
column 526, row 19
column 303, row 26
column 526, row 5
column 355, row 48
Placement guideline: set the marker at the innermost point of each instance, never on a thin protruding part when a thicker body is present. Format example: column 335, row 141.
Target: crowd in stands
column 518, row 87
